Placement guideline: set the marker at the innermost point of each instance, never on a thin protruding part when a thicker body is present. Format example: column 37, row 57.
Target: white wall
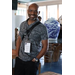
column 13, row 29
column 13, row 33
column 19, row 20
column 16, row 21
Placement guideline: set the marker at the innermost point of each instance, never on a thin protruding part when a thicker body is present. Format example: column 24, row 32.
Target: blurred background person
column 39, row 17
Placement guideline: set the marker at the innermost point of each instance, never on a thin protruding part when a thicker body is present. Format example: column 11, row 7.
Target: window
column 60, row 10
column 52, row 11
column 21, row 11
column 20, row 16
column 45, row 12
column 42, row 10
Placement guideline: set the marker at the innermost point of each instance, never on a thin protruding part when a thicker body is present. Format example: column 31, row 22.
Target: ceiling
column 26, row 1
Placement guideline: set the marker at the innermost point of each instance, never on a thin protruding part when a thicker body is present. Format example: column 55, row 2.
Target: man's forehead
column 33, row 5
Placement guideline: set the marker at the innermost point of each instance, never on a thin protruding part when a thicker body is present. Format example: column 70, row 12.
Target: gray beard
column 34, row 19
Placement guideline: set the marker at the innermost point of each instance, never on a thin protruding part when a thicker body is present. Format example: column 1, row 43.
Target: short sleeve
column 44, row 34
column 22, row 29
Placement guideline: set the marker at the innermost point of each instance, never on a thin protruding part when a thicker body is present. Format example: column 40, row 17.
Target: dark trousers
column 25, row 68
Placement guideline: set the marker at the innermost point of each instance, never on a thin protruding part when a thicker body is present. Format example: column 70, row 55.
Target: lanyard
column 30, row 29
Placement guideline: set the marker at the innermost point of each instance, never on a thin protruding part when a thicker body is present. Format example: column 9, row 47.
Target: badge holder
column 27, row 46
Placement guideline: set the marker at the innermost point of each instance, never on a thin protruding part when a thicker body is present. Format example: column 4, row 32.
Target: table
column 49, row 73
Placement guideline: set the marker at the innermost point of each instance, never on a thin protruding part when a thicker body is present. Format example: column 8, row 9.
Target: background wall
column 13, row 29
column 18, row 20
column 13, row 33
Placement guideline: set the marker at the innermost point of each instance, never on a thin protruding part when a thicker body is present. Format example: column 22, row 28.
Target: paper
column 27, row 48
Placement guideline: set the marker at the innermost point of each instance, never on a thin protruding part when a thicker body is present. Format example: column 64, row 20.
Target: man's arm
column 13, row 52
column 43, row 51
column 44, row 48
column 18, row 43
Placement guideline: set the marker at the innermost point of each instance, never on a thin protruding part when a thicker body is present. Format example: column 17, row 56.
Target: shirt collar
column 28, row 26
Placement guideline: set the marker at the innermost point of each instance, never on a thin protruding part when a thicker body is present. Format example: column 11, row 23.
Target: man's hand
column 33, row 60
column 14, row 52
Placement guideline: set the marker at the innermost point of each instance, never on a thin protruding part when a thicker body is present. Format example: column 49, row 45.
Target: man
column 27, row 59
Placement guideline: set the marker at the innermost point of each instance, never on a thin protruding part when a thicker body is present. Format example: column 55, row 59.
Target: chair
column 48, row 57
column 39, row 68
column 56, row 48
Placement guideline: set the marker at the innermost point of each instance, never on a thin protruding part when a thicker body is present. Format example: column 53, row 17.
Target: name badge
column 27, row 47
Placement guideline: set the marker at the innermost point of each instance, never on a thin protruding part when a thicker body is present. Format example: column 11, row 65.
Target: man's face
column 33, row 12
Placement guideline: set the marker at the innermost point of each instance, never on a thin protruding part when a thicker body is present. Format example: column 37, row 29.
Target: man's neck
column 31, row 21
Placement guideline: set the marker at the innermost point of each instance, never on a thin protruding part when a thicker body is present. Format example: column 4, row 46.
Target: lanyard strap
column 30, row 29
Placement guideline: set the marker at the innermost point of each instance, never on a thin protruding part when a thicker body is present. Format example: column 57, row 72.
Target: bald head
column 34, row 4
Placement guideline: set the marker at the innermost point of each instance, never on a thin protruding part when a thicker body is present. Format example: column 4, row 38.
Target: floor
column 53, row 67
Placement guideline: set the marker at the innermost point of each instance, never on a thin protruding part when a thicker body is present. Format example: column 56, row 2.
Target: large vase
column 53, row 28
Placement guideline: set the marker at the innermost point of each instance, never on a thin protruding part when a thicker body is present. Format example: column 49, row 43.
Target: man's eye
column 35, row 11
column 30, row 10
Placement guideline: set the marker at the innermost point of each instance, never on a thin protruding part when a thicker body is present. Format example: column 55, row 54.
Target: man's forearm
column 44, row 49
column 18, row 43
column 42, row 52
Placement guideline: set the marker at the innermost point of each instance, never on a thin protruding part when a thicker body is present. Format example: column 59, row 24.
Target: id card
column 27, row 47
